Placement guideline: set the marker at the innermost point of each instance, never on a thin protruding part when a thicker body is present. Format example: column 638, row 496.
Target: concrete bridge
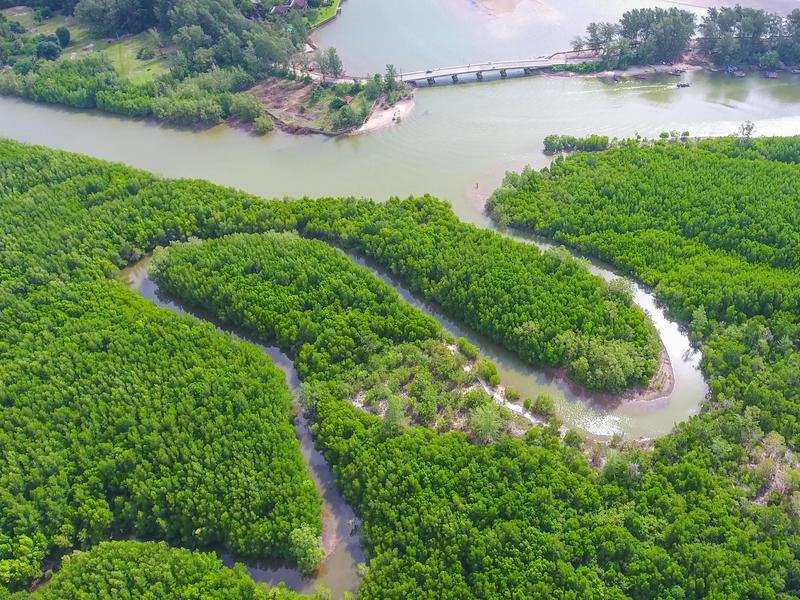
column 503, row 67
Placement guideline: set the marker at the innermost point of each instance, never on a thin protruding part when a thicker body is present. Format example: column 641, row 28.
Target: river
column 456, row 144
column 341, row 539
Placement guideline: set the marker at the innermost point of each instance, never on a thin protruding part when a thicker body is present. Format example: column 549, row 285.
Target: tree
column 395, row 415
column 699, row 322
column 335, row 67
column 63, row 35
column 300, row 62
column 485, row 422
column 306, row 548
column 115, row 17
column 544, row 406
column 770, row 60
column 374, row 87
column 390, row 79
column 746, row 133
column 48, row 50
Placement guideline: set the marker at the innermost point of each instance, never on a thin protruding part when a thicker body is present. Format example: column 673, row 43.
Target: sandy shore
column 641, row 70
column 661, row 385
column 381, row 118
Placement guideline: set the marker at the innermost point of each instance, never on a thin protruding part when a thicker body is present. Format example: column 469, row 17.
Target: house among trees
column 300, row 6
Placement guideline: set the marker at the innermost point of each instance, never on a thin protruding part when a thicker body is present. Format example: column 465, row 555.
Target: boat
column 684, row 85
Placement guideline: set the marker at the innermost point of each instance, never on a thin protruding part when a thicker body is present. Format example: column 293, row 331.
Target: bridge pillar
column 431, row 81
column 503, row 73
column 479, row 75
column 455, row 78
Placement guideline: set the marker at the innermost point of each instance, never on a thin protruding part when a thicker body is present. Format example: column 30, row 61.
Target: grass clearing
column 324, row 13
column 120, row 51
column 122, row 54
column 79, row 35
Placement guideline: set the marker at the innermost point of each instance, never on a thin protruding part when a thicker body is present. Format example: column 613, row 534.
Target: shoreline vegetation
column 174, row 67
column 96, row 447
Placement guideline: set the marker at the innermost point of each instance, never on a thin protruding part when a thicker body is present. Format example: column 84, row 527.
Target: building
column 300, row 6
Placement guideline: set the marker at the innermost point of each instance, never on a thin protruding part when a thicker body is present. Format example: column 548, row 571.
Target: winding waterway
column 456, row 143
column 341, row 539
column 579, row 408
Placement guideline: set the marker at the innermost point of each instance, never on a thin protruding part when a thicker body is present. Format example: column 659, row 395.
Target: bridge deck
column 503, row 65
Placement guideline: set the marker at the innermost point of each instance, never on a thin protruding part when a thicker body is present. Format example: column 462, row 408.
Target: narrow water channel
column 597, row 415
column 341, row 538
column 593, row 414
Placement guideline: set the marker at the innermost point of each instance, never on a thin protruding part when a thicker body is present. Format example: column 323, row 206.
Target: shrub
column 146, row 53
column 544, row 406
column 263, row 124
column 486, row 422
column 306, row 548
column 63, row 35
column 246, row 107
column 48, row 50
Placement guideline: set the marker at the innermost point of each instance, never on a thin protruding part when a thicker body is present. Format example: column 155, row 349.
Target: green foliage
column 85, row 365
column 713, row 228
column 48, row 49
column 117, row 417
column 548, row 310
column 63, row 35
column 263, row 124
column 740, row 35
column 544, row 406
column 204, row 109
column 330, row 64
column 219, row 51
column 152, row 570
column 313, row 301
column 345, row 118
column 246, row 108
column 305, row 546
column 642, row 36
column 116, row 17
column 146, row 53
column 485, row 422
column 553, row 144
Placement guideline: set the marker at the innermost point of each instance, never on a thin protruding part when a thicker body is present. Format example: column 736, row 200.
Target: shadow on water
column 341, row 526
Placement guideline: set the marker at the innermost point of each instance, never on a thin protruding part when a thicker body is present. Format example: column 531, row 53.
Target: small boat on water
column 684, row 85
column 771, row 75
column 739, row 74
column 795, row 71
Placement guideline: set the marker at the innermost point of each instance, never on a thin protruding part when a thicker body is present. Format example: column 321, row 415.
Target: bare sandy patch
column 381, row 118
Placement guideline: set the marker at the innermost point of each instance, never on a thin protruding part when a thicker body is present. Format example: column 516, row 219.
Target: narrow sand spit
column 381, row 118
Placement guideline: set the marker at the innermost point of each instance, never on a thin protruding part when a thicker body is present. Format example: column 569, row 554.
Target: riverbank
column 661, row 385
column 340, row 536
column 381, row 117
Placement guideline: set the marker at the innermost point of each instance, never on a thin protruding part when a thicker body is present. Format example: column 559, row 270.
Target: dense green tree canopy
column 147, row 570
column 219, row 51
column 713, row 228
column 115, row 416
column 742, row 35
column 336, row 319
column 544, row 306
